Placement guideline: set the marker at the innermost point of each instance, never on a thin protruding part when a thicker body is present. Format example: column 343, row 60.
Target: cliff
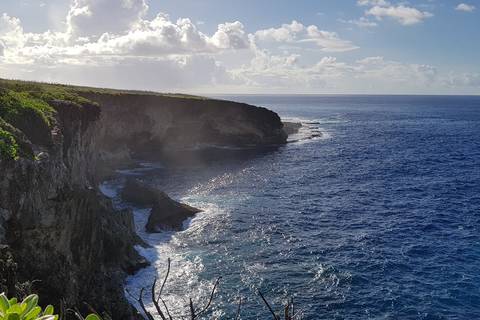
column 58, row 234
column 149, row 125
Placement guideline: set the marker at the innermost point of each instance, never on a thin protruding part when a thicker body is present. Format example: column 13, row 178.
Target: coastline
column 159, row 249
column 52, row 181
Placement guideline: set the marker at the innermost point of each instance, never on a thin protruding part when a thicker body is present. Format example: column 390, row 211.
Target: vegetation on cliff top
column 27, row 115
column 26, row 111
column 74, row 92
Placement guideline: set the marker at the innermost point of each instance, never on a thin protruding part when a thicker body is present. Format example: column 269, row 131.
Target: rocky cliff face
column 55, row 226
column 133, row 124
column 58, row 228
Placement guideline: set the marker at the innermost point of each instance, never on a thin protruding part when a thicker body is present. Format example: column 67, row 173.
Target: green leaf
column 92, row 317
column 33, row 314
column 29, row 303
column 31, row 299
column 16, row 308
column 13, row 301
column 49, row 317
column 12, row 316
column 4, row 304
column 48, row 310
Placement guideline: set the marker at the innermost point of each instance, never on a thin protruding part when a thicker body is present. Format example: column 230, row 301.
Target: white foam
column 185, row 264
column 309, row 131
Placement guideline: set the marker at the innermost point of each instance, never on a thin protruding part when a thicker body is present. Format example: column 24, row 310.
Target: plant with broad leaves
column 28, row 309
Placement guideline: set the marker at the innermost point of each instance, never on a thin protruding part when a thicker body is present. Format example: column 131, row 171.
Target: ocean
column 372, row 211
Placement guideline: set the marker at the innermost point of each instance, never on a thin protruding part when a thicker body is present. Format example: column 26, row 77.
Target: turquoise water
column 376, row 218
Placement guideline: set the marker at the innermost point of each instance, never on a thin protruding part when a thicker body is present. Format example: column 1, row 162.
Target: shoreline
column 143, row 277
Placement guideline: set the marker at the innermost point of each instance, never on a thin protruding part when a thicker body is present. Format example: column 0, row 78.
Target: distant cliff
column 56, row 229
column 139, row 124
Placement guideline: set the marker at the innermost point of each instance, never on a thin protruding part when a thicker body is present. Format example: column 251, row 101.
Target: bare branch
column 293, row 309
column 140, row 301
column 211, row 297
column 155, row 301
column 275, row 317
column 237, row 316
column 287, row 311
column 90, row 308
column 164, row 280
column 192, row 310
column 76, row 313
column 166, row 308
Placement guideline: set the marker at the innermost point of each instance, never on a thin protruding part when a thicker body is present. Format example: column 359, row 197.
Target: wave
column 186, row 266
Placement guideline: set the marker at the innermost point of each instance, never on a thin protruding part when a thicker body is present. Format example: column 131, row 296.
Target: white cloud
column 404, row 15
column 297, row 33
column 362, row 22
column 465, row 7
column 459, row 80
column 161, row 36
column 373, row 3
column 112, row 43
column 95, row 17
column 230, row 36
column 371, row 74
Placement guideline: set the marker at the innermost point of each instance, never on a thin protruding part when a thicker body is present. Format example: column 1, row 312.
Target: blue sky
column 213, row 46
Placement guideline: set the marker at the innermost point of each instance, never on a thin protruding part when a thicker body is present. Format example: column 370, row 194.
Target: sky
column 247, row 46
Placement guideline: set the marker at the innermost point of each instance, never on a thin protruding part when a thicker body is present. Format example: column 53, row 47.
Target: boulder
column 140, row 194
column 166, row 213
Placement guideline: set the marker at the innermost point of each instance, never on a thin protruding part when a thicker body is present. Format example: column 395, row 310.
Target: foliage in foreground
column 28, row 309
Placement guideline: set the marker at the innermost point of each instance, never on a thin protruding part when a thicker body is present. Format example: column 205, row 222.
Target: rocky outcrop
column 139, row 193
column 166, row 213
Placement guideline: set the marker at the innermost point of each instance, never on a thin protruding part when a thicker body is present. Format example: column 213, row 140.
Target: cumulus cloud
column 329, row 74
column 112, row 43
column 296, row 33
column 161, row 36
column 465, row 7
column 95, row 17
column 10, row 30
column 404, row 15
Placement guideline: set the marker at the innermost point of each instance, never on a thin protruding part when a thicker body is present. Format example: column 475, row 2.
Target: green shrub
column 28, row 309
column 16, row 105
column 8, row 146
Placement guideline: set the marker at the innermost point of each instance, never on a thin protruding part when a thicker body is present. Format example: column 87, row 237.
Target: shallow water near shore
column 372, row 212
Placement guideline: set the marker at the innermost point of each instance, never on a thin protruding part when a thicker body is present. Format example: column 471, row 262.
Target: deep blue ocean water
column 376, row 218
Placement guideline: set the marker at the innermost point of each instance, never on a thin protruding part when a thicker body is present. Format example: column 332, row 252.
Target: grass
column 74, row 91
